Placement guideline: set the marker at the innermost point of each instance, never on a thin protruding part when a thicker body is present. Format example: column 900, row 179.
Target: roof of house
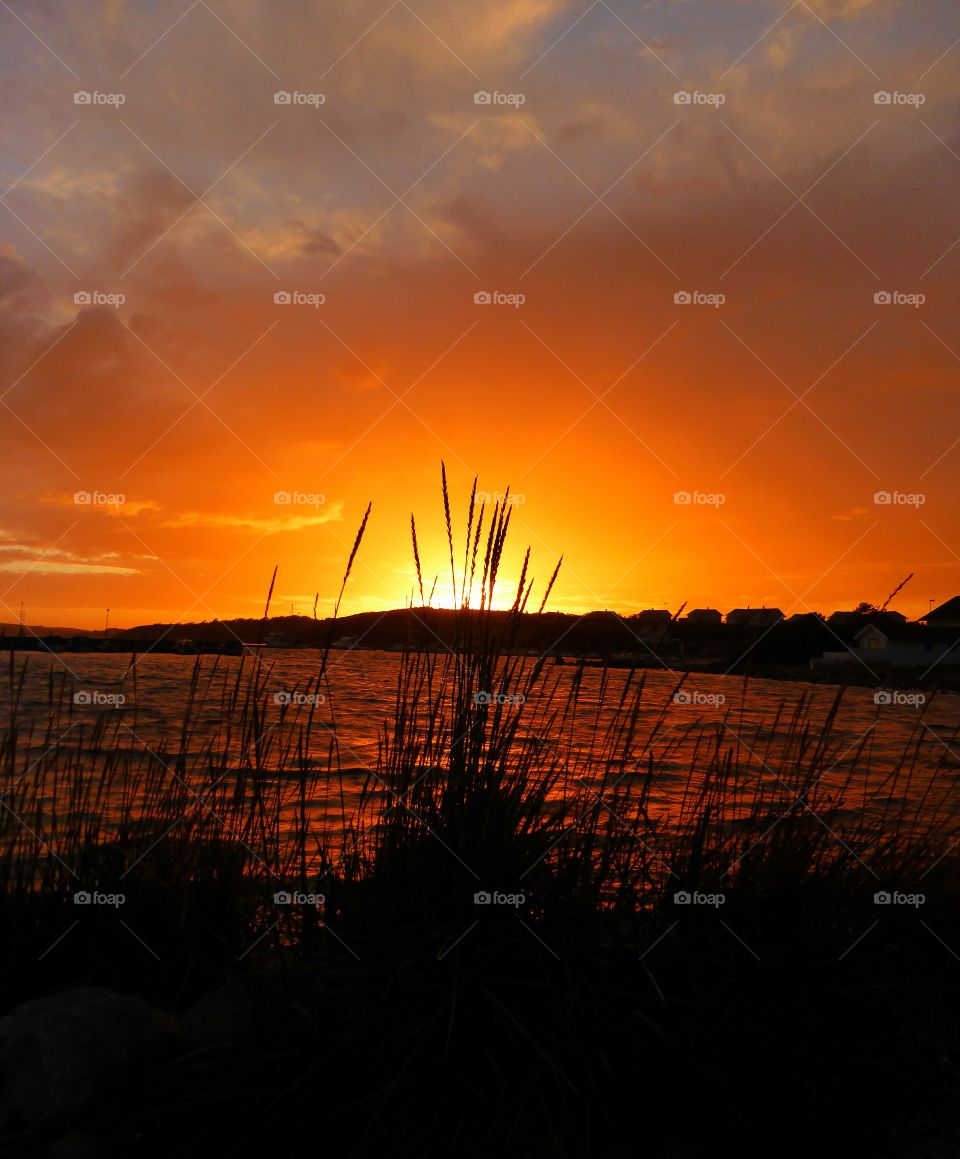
column 948, row 611
column 755, row 612
column 873, row 615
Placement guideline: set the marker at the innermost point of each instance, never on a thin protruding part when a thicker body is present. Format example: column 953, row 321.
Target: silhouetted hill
column 42, row 631
column 600, row 632
column 393, row 628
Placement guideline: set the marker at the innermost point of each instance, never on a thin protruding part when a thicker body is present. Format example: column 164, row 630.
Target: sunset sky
column 187, row 187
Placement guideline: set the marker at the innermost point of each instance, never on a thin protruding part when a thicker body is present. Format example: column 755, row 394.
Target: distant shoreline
column 837, row 676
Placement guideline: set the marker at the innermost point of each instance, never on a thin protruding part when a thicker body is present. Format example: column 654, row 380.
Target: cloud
column 845, row 9
column 57, row 567
column 133, row 507
column 333, row 513
column 123, row 507
column 58, row 562
column 854, row 515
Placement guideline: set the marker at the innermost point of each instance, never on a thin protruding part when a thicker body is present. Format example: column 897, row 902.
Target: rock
column 223, row 1016
column 74, row 1145
column 58, row 1053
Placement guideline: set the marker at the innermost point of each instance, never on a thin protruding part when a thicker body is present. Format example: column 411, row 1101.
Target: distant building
column 863, row 616
column 650, row 625
column 946, row 616
column 704, row 616
column 754, row 617
column 653, row 616
column 903, row 646
column 872, row 639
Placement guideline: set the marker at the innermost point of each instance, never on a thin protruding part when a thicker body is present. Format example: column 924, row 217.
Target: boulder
column 60, row 1052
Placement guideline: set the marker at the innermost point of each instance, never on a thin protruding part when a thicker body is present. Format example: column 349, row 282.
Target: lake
column 103, row 706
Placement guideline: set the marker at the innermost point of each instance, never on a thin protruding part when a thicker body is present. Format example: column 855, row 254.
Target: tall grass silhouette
column 539, row 1020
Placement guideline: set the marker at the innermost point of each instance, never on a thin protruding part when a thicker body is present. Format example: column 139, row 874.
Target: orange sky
column 186, row 407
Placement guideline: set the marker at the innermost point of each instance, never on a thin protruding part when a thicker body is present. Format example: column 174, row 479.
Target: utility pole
column 106, row 624
column 22, row 620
